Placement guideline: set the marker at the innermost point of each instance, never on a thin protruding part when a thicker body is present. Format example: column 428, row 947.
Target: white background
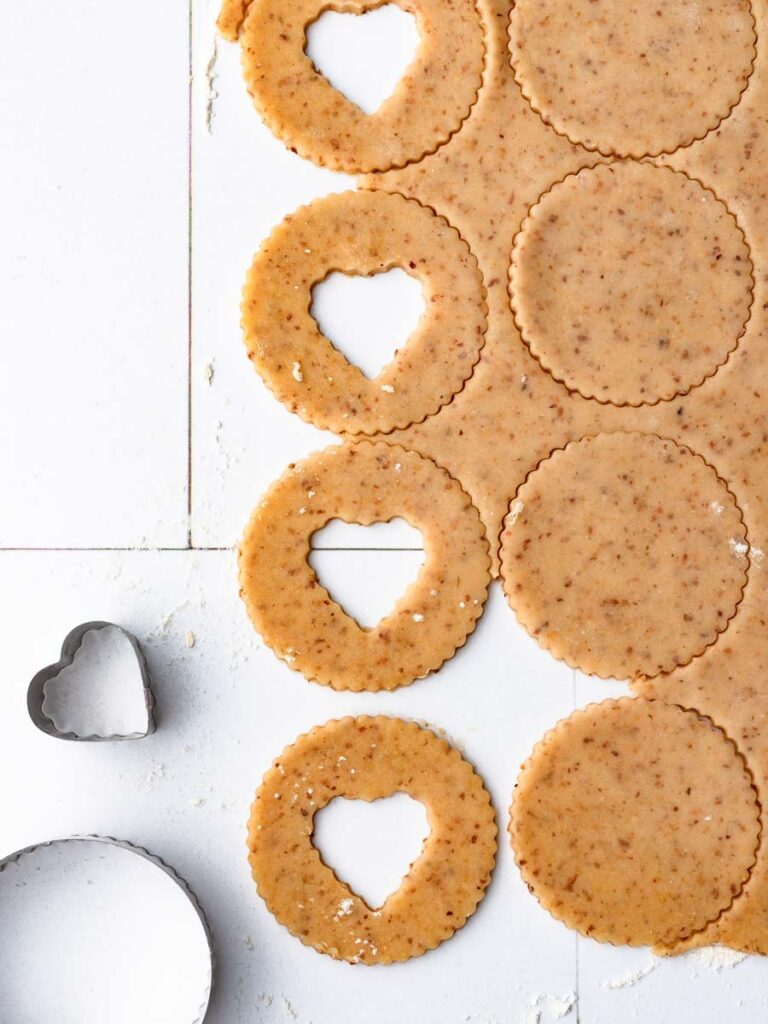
column 128, row 221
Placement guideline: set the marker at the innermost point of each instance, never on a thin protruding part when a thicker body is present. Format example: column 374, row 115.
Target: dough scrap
column 624, row 555
column 364, row 483
column 512, row 414
column 366, row 759
column 635, row 822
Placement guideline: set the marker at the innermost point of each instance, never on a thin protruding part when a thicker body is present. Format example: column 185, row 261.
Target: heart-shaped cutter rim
column 158, row 862
column 69, row 648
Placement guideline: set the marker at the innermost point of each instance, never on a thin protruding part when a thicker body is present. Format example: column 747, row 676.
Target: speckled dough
column 366, row 759
column 635, row 822
column 630, row 283
column 363, row 233
column 431, row 101
column 632, row 77
column 512, row 414
column 364, row 483
column 624, row 555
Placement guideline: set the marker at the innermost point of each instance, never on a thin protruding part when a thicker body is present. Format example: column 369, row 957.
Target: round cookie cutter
column 364, row 482
column 301, row 107
column 363, row 233
column 367, row 759
column 204, row 937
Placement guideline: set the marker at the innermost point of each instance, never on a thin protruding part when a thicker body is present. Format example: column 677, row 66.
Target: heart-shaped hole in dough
column 366, row 569
column 363, row 56
column 368, row 318
column 371, row 846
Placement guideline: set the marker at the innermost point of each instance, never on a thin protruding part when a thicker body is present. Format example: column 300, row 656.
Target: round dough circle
column 635, row 822
column 631, row 77
column 367, row 759
column 630, row 283
column 364, row 483
column 430, row 103
column 624, row 555
column 363, row 233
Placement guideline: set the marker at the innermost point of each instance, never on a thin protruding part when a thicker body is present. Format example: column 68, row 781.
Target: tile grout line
column 577, row 992
column 190, row 548
column 190, row 108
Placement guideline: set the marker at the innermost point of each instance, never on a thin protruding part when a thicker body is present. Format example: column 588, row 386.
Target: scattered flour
column 515, row 511
column 544, row 1008
column 154, row 775
column 345, row 907
column 210, row 78
column 631, row 978
column 715, row 958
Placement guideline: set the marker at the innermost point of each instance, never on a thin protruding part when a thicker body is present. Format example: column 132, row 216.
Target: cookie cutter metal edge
column 69, row 648
column 158, row 862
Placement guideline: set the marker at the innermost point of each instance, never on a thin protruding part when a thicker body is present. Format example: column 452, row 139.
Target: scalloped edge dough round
column 635, row 822
column 364, row 482
column 611, row 592
column 431, row 102
column 363, row 233
column 644, row 102
column 631, row 283
column 367, row 759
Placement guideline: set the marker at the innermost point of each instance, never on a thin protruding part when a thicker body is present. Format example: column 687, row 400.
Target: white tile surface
column 93, row 318
column 244, row 183
column 227, row 706
column 93, row 407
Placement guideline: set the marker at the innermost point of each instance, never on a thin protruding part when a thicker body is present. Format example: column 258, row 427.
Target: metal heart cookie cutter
column 36, row 693
column 89, row 880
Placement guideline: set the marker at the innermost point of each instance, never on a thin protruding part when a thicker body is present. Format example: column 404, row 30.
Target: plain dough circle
column 363, row 233
column 632, row 77
column 430, row 103
column 630, row 283
column 624, row 555
column 635, row 822
column 362, row 482
column 367, row 759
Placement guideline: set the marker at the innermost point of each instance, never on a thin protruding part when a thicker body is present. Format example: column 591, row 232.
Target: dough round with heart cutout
column 430, row 103
column 625, row 555
column 631, row 283
column 364, row 482
column 367, row 759
column 363, row 233
column 635, row 822
column 630, row 77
